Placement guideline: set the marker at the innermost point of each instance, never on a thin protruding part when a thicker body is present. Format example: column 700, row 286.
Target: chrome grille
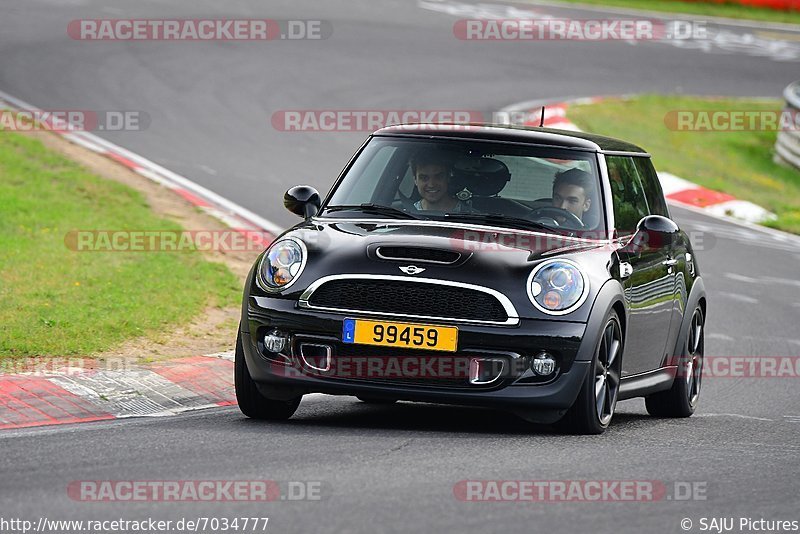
column 413, row 298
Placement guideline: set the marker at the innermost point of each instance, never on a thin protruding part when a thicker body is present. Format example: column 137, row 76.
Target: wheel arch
column 619, row 307
column 610, row 297
column 697, row 297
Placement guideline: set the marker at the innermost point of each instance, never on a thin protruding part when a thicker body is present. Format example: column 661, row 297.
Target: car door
column 650, row 282
column 677, row 253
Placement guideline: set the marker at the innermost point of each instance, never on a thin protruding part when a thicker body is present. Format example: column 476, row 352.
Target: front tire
column 251, row 402
column 681, row 400
column 597, row 400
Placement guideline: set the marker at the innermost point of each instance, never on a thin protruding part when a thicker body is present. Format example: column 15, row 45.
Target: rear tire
column 251, row 402
column 597, row 400
column 681, row 400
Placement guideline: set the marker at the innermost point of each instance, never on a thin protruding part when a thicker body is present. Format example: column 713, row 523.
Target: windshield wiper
column 515, row 222
column 369, row 207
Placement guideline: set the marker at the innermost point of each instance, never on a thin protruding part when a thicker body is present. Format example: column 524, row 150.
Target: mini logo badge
column 412, row 269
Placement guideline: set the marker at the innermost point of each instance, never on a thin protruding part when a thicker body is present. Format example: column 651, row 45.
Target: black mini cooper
column 531, row 270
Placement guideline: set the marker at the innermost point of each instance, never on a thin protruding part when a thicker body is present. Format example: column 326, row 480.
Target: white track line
column 156, row 172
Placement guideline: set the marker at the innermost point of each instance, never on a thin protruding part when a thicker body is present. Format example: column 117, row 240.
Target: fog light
column 543, row 364
column 275, row 342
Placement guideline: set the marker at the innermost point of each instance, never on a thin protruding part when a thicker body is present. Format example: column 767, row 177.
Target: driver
column 432, row 178
column 572, row 191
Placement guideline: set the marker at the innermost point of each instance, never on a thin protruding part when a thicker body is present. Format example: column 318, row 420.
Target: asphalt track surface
column 393, row 469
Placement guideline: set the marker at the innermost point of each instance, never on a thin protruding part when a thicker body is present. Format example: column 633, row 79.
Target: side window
column 627, row 193
column 652, row 187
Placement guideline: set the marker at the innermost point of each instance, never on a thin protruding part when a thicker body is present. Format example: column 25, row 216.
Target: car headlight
column 557, row 287
column 281, row 264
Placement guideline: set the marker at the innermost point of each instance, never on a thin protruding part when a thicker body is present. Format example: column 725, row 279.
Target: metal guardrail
column 787, row 146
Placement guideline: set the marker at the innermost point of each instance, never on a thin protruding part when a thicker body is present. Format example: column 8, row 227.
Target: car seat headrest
column 482, row 176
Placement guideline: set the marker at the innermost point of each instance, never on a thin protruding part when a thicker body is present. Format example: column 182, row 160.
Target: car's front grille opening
column 409, row 298
column 388, row 365
column 316, row 356
column 418, row 254
column 328, row 358
column 485, row 371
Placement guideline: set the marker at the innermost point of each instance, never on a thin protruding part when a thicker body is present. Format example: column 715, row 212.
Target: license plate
column 406, row 335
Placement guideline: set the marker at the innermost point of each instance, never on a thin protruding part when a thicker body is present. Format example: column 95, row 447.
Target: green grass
column 727, row 10
column 736, row 162
column 55, row 301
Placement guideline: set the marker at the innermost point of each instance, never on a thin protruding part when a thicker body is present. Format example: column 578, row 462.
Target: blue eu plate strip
column 349, row 330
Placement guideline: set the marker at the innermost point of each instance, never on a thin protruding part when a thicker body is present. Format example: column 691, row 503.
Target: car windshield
column 478, row 182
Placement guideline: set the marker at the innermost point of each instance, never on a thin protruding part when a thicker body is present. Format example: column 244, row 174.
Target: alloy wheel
column 607, row 372
column 694, row 358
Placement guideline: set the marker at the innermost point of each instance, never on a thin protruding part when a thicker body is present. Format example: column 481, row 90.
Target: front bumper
column 516, row 389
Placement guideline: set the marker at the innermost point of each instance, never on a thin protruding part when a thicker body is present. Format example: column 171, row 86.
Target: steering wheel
column 555, row 214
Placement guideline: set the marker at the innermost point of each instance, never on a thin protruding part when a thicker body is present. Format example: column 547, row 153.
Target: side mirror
column 302, row 200
column 656, row 232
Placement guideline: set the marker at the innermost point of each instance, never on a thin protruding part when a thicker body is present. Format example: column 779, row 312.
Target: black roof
column 521, row 134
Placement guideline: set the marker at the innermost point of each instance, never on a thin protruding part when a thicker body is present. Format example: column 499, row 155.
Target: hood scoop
column 417, row 254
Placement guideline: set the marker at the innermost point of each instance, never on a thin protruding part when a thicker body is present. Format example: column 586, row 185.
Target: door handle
column 669, row 262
